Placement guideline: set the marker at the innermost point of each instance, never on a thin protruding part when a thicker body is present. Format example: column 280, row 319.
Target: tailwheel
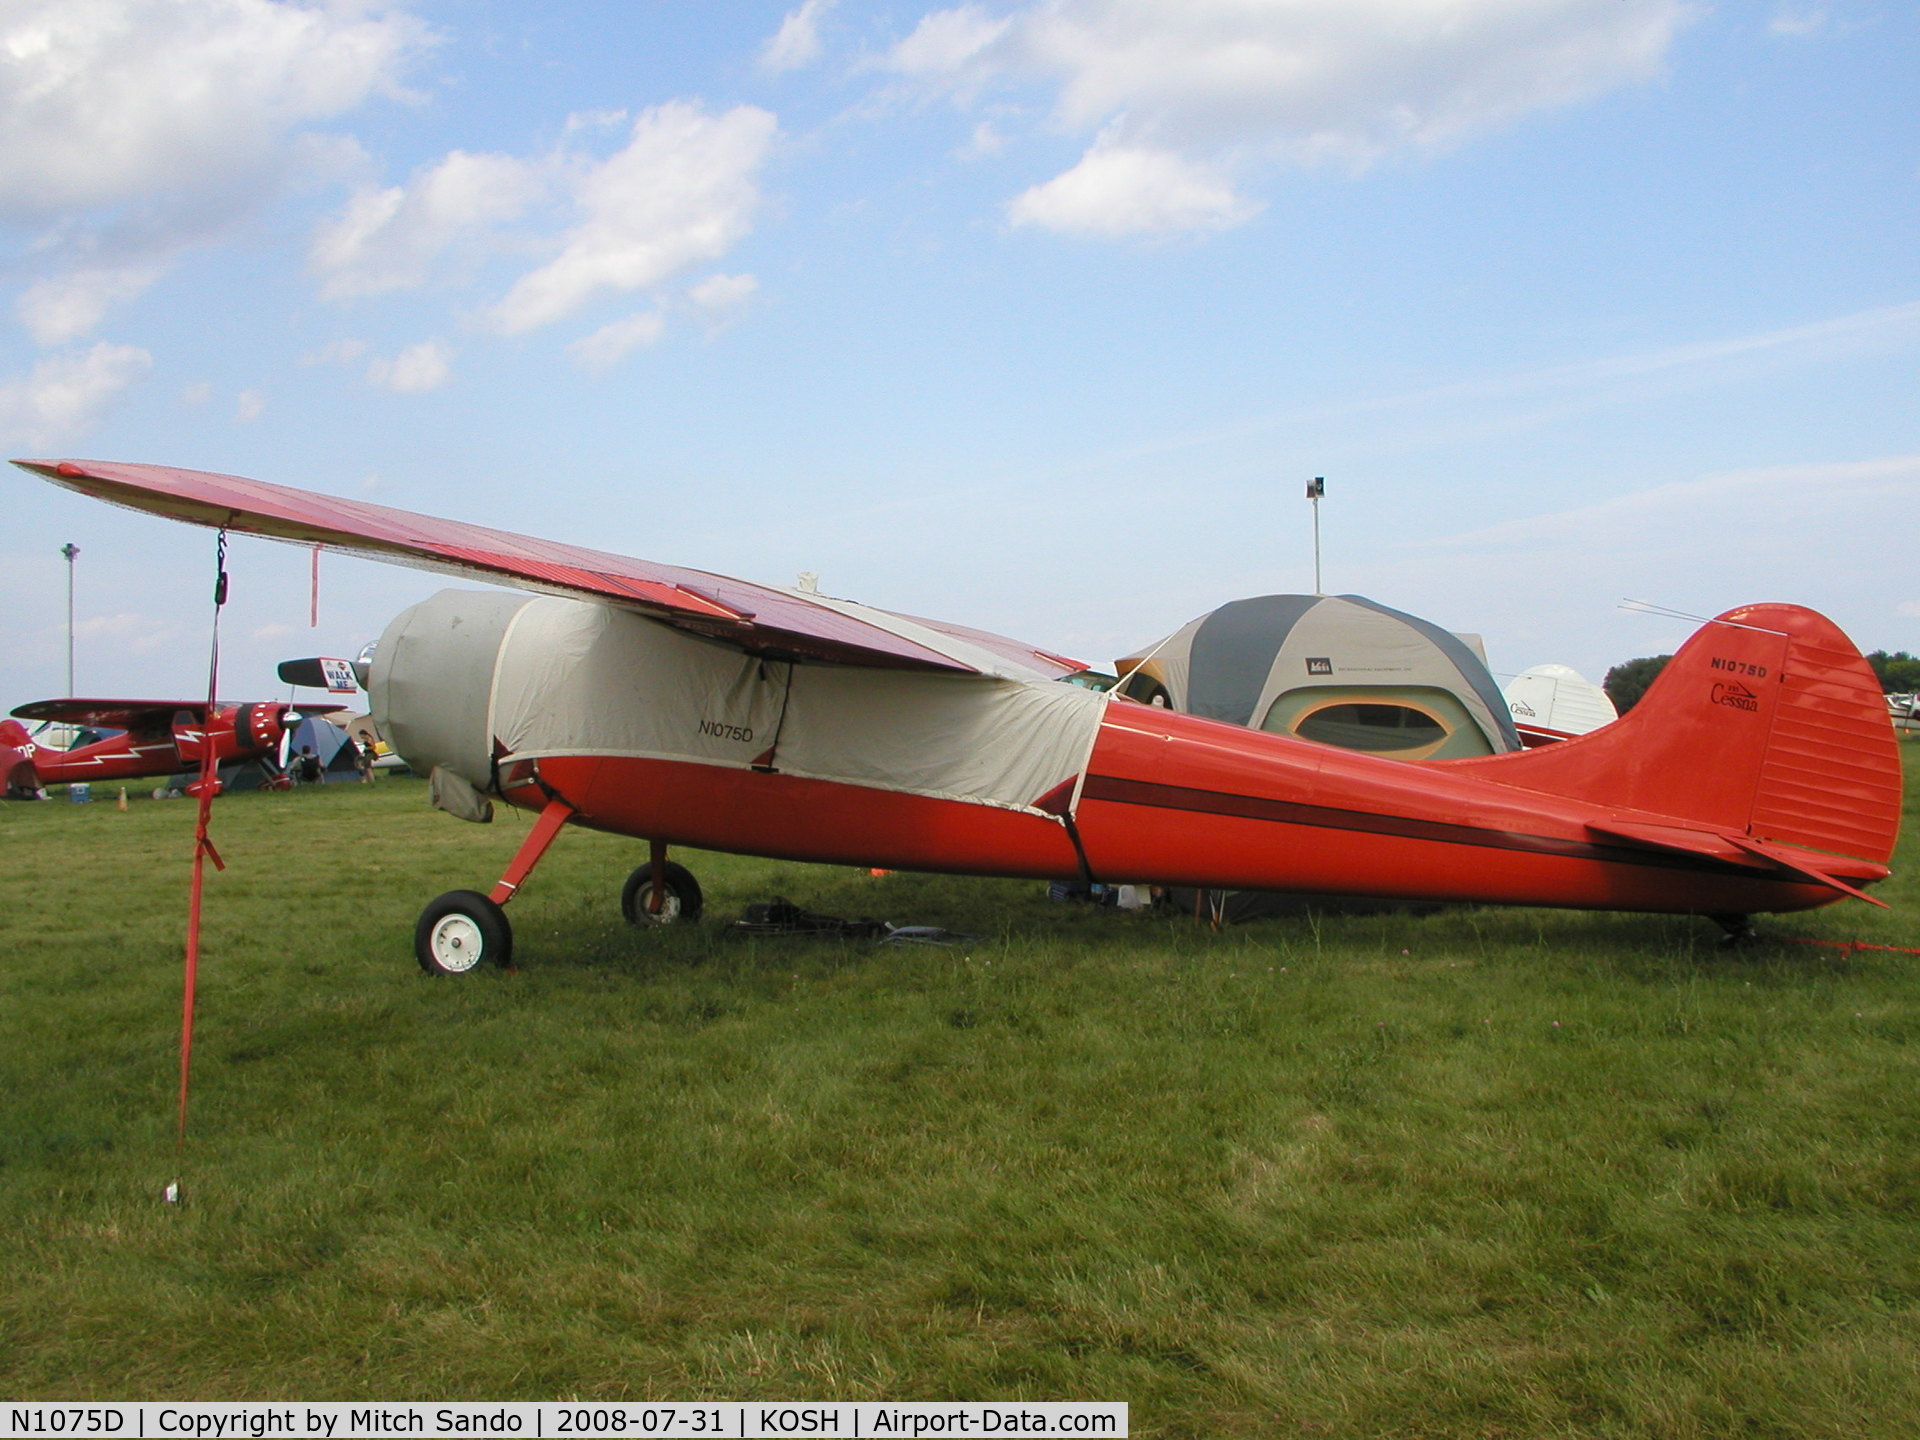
column 462, row 931
column 676, row 899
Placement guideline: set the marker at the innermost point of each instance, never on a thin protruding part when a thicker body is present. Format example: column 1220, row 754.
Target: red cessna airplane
column 158, row 737
column 1759, row 773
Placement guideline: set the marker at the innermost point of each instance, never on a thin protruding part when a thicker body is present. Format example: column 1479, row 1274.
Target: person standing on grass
column 363, row 758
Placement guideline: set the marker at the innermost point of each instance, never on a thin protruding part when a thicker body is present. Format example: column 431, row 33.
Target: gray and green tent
column 1340, row 669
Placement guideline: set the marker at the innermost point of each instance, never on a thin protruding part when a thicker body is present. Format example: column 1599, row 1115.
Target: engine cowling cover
column 432, row 681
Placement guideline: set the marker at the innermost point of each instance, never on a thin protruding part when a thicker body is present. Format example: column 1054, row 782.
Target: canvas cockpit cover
column 580, row 679
column 1259, row 662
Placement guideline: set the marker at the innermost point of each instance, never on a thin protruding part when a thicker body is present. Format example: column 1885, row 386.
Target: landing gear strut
column 464, row 929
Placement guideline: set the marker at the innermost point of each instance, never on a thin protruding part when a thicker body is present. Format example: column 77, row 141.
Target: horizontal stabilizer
column 1677, row 838
column 1821, row 869
column 1800, row 864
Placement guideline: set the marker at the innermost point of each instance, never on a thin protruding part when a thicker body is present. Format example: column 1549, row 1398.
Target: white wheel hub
column 456, row 943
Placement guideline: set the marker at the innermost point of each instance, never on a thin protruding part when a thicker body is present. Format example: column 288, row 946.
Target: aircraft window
column 1090, row 680
column 1145, row 689
column 1373, row 727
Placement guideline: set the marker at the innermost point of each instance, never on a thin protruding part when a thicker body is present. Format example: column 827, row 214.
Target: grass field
column 1486, row 1173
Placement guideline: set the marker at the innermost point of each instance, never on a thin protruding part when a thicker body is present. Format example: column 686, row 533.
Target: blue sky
column 1035, row 316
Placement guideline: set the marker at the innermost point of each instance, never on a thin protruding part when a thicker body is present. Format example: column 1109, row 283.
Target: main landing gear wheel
column 680, row 900
column 462, row 931
column 1739, row 931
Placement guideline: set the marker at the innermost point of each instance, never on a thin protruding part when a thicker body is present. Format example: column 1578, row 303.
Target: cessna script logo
column 1731, row 693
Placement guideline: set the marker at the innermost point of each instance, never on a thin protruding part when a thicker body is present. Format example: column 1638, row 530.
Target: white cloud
column 142, row 634
column 721, row 294
column 64, row 307
column 1132, row 190
column 953, row 46
column 607, row 346
column 198, row 393
column 594, row 120
column 65, row 395
column 797, row 43
column 415, row 370
column 391, row 239
column 1908, row 609
column 137, row 128
column 111, row 100
column 248, row 405
column 1227, row 83
column 1798, row 19
column 683, row 191
column 1733, row 498
column 1822, row 534
column 336, row 352
column 985, row 141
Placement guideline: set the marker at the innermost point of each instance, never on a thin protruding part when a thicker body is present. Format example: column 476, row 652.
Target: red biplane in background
column 155, row 737
column 1759, row 773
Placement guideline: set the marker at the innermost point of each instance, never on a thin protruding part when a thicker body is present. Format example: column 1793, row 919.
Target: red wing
column 112, row 714
column 757, row 618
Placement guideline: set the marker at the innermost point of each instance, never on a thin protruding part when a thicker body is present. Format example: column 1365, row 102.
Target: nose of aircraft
column 431, row 681
column 263, row 725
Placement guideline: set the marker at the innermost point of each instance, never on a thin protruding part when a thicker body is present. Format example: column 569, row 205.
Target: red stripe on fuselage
column 1452, row 837
column 1190, row 801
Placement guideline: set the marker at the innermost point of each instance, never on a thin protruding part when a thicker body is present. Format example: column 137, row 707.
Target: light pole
column 69, row 550
column 1316, row 487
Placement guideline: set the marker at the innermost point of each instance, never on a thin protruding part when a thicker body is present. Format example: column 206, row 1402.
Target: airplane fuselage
column 235, row 733
column 644, row 731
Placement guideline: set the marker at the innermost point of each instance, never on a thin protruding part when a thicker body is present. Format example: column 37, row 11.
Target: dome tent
column 1340, row 669
column 1556, row 702
column 339, row 756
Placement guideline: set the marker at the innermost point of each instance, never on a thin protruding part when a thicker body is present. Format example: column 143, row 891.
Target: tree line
column 1899, row 674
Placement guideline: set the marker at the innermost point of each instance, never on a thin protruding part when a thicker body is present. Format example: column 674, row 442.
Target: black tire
column 460, row 932
column 681, row 902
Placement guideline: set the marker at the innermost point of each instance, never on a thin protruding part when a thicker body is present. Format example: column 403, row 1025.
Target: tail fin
column 1767, row 725
column 17, row 775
